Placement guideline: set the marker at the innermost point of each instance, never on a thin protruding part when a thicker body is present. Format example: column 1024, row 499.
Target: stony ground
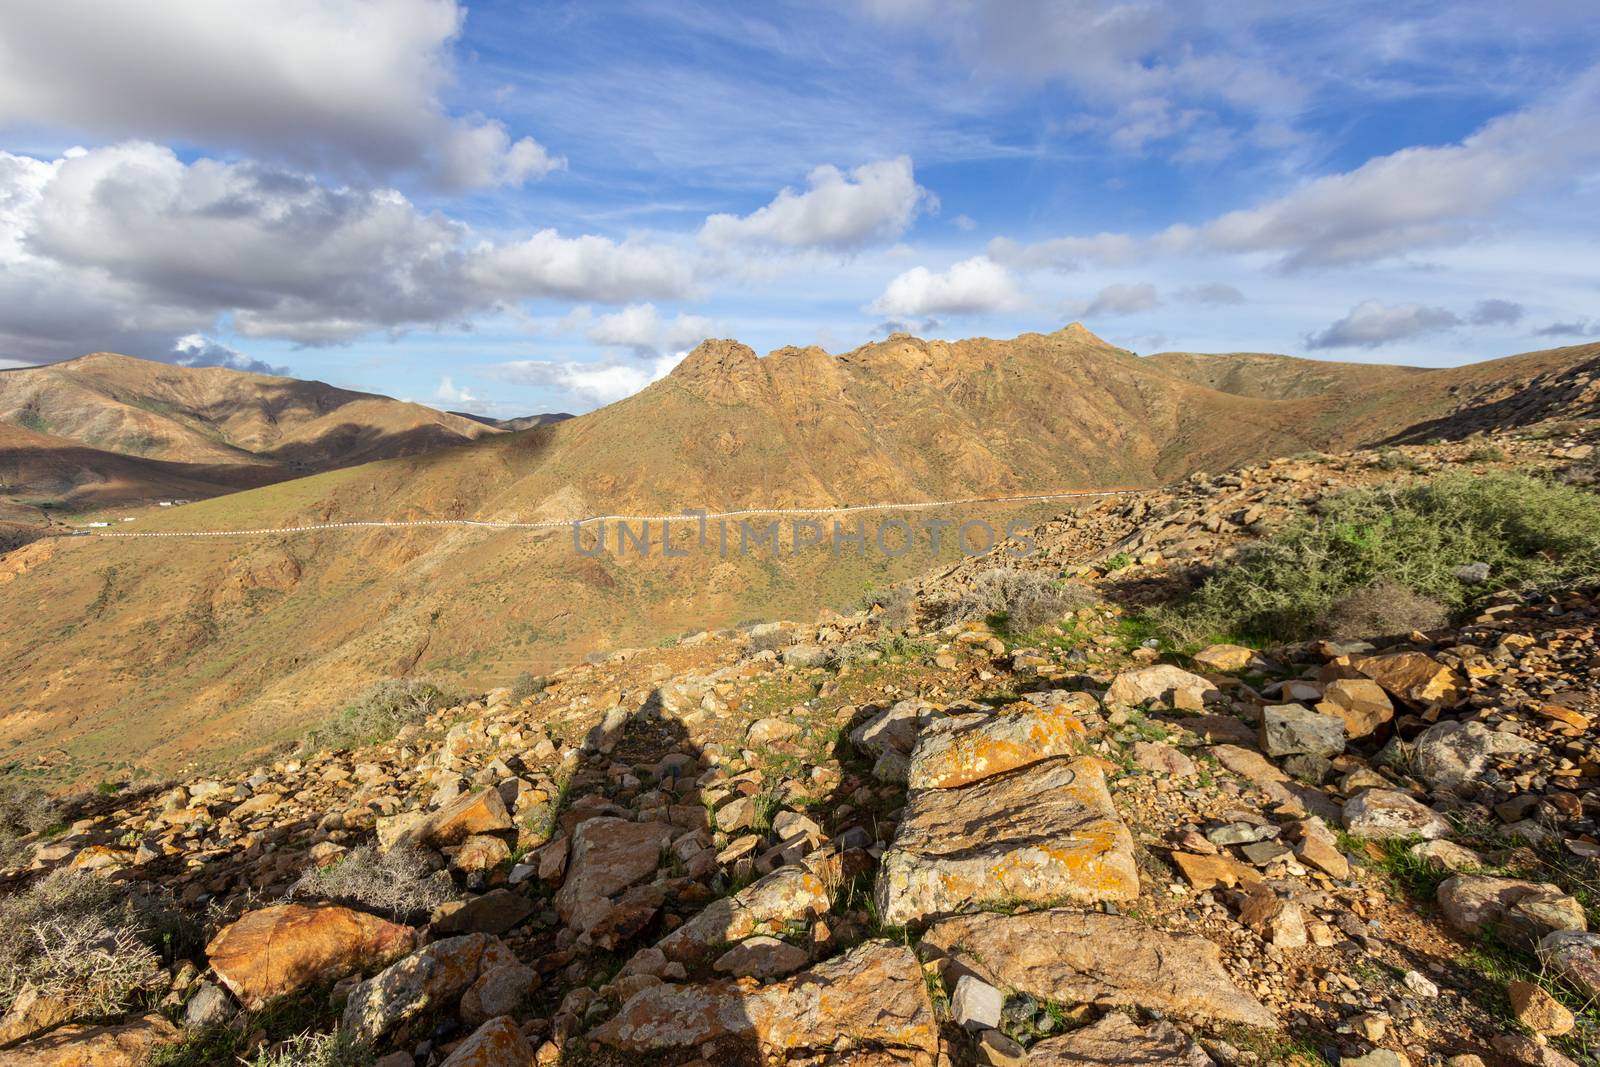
column 857, row 841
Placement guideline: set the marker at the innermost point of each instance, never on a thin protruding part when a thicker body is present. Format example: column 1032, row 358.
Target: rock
column 788, row 894
column 1538, row 1010
column 499, row 990
column 1287, row 729
column 1161, row 758
column 209, row 1006
column 497, row 1043
column 1360, row 702
column 1449, row 754
column 1315, row 845
column 1527, row 1051
column 1520, row 912
column 495, row 912
column 873, row 995
column 482, row 812
column 1472, row 573
column 1419, row 985
column 125, row 1044
column 761, row 957
column 890, row 735
column 285, row 948
column 1209, row 872
column 975, row 1004
column 1088, row 957
column 1161, row 682
column 1413, row 676
column 480, row 853
column 768, row 731
column 1383, row 814
column 1574, row 956
column 1447, row 855
column 1378, row 1057
column 962, row 749
column 432, row 977
column 1118, row 1041
column 805, row 656
column 1224, row 659
column 33, row 1012
column 997, row 1050
column 1043, row 833
column 608, row 856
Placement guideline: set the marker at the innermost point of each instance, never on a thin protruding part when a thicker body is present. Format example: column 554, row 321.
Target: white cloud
column 350, row 85
column 129, row 246
column 974, row 285
column 197, row 350
column 1575, row 328
column 587, row 385
column 450, row 393
column 1066, row 253
column 1372, row 323
column 1119, row 299
column 641, row 328
column 874, row 202
column 1211, row 293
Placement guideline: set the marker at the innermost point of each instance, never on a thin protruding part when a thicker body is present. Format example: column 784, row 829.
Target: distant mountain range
column 223, row 645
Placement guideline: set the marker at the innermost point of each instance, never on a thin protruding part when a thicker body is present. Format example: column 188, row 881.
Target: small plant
column 381, row 713
column 897, row 605
column 524, row 686
column 1384, row 607
column 24, row 810
column 338, row 1049
column 1019, row 600
column 398, row 882
column 1118, row 561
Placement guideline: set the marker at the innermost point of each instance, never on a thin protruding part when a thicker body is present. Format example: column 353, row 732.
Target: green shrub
column 338, row 1049
column 1415, row 536
column 898, row 604
column 380, row 713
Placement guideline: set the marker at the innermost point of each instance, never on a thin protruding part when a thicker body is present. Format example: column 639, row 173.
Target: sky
column 512, row 208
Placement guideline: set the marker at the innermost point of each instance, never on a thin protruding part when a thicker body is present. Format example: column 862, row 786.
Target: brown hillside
column 222, row 645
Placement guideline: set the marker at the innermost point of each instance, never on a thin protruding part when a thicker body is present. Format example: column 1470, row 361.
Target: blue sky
column 511, row 208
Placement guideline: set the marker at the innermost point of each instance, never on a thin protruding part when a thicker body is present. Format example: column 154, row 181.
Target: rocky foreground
column 856, row 842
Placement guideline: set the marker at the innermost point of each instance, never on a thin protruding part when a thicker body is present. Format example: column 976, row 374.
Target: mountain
column 521, row 422
column 196, row 431
column 222, row 645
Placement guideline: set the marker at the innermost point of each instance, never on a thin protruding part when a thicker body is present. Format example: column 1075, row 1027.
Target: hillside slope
column 219, row 419
column 221, row 645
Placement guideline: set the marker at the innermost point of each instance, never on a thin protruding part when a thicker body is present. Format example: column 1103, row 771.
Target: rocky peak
column 721, row 370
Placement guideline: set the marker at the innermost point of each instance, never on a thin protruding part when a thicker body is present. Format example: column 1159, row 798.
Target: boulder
column 975, row 1004
column 1158, row 757
column 1414, row 677
column 432, row 977
column 890, row 735
column 497, row 1043
column 1118, row 1041
column 1075, row 957
column 761, row 957
column 1382, row 814
column 495, row 912
column 872, row 996
column 123, row 1044
column 285, row 948
column 1163, row 683
column 1224, row 659
column 1575, row 956
column 1449, row 754
column 962, row 749
column 1040, row 834
column 482, row 812
column 788, row 894
column 499, row 990
column 1519, row 912
column 1360, row 702
column 1538, row 1010
column 1287, row 729
column 608, row 855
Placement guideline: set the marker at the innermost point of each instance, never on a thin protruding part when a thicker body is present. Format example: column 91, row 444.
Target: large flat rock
column 1074, row 957
column 873, row 996
column 968, row 748
column 279, row 950
column 1042, row 834
column 1118, row 1041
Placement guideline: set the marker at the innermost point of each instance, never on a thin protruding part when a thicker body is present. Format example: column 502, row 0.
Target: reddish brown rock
column 126, row 1044
column 283, row 949
column 497, row 1043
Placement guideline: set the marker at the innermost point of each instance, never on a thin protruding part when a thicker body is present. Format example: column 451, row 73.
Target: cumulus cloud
column 456, row 396
column 1496, row 313
column 587, row 385
column 1211, row 293
column 347, row 85
column 1391, row 206
column 642, row 328
column 197, row 350
column 1118, row 299
column 131, row 247
column 974, row 285
column 1372, row 323
column 874, row 202
column 1575, row 328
